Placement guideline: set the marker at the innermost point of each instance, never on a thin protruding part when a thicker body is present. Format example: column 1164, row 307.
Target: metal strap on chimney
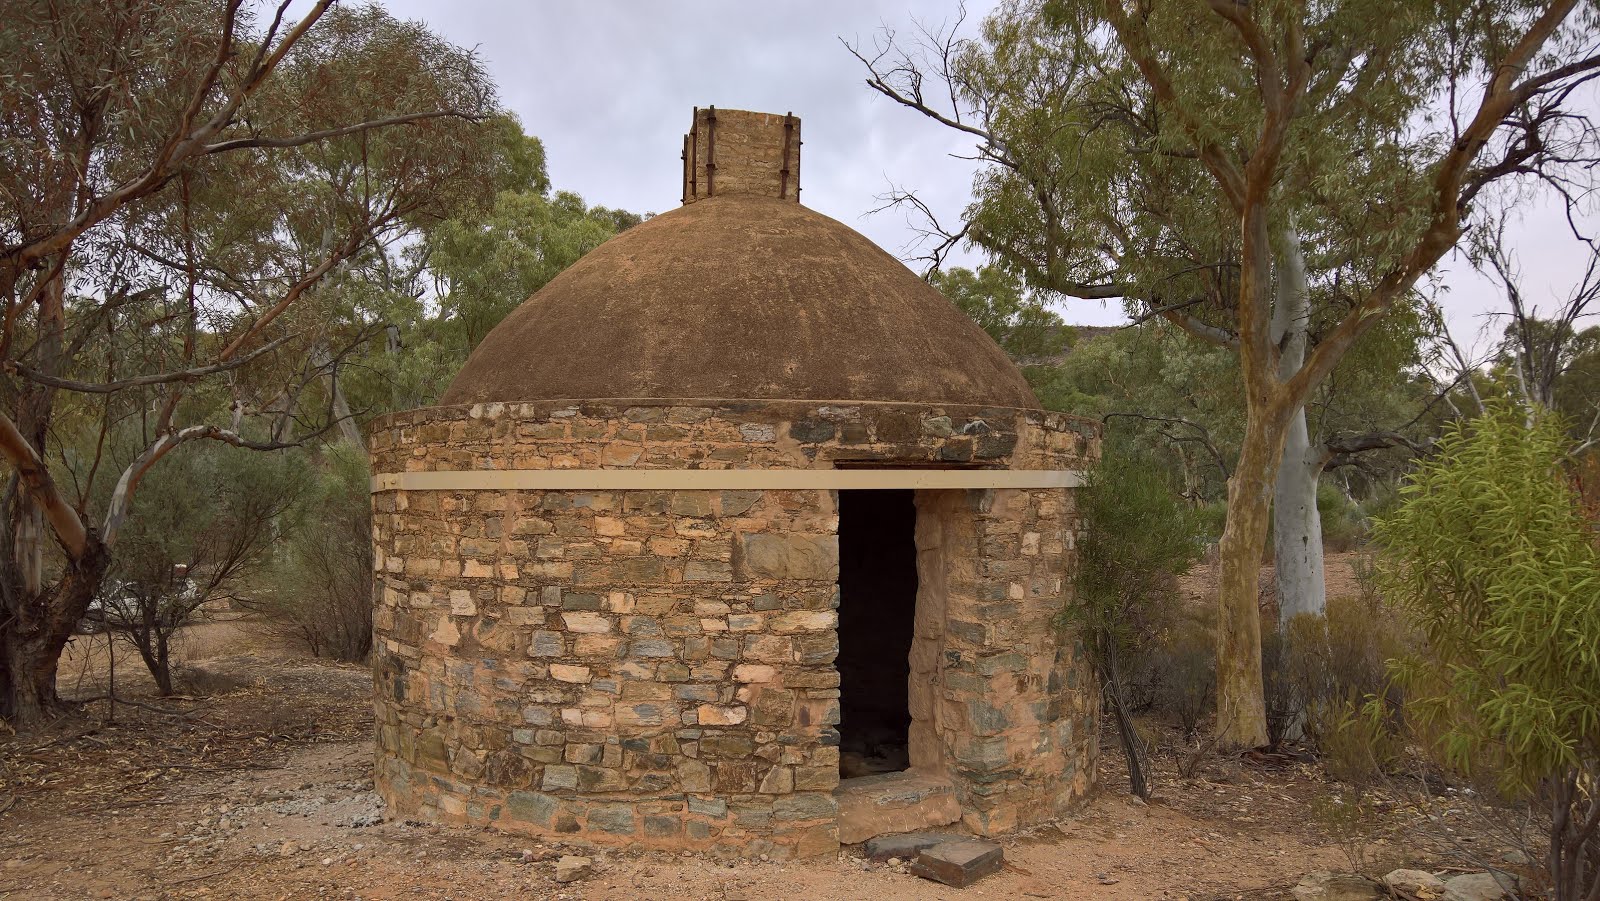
column 694, row 156
column 685, row 157
column 711, row 151
column 783, row 174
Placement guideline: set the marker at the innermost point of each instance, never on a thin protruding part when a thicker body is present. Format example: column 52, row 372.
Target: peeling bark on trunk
column 1241, row 707
column 39, row 628
column 37, row 619
column 1281, row 317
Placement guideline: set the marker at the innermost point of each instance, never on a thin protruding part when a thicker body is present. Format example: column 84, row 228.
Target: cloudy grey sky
column 609, row 86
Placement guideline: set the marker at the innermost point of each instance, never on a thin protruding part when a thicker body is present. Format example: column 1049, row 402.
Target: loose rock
column 571, row 869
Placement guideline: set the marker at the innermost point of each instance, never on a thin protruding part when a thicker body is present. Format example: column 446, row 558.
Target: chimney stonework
column 730, row 151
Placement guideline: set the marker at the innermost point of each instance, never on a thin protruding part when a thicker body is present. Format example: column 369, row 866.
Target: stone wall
column 655, row 667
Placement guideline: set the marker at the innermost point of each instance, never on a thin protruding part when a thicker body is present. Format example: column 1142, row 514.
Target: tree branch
column 1500, row 96
column 1215, row 157
column 122, row 496
column 1203, row 438
column 182, row 375
column 325, row 134
column 1349, row 445
column 35, row 478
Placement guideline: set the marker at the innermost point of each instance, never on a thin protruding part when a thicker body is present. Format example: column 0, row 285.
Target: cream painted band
column 720, row 479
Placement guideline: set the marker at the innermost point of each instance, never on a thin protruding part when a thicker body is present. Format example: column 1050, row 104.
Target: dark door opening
column 877, row 609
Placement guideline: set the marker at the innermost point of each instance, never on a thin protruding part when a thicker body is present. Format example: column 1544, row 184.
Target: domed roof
column 740, row 296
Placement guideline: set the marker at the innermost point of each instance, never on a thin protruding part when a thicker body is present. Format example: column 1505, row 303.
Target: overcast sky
column 609, row 85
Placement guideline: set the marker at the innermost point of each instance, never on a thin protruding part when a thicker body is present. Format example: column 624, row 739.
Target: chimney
column 732, row 151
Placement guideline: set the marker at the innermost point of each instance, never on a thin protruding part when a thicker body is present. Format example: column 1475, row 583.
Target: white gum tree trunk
column 1296, row 525
column 1297, row 528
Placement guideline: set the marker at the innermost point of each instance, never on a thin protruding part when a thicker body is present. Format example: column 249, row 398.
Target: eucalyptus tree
column 1245, row 169
column 1178, row 400
column 1545, row 353
column 203, row 533
column 177, row 179
column 417, row 302
column 1016, row 318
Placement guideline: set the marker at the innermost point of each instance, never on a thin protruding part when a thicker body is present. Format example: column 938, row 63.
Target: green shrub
column 1211, row 519
column 1490, row 555
column 1343, row 524
column 1322, row 673
column 1139, row 536
column 1183, row 670
column 322, row 584
column 203, row 531
column 1283, row 695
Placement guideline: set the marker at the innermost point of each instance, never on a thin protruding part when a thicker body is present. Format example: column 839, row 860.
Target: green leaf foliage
column 1490, row 555
column 997, row 301
column 1139, row 536
column 320, row 590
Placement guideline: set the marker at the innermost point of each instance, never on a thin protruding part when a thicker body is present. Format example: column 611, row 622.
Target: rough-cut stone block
column 764, row 555
column 562, row 672
column 712, row 715
column 959, row 864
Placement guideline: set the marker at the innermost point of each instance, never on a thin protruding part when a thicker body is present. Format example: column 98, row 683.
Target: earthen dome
column 740, row 296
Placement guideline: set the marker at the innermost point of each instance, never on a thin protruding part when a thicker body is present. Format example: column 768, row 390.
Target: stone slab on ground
column 1325, row 886
column 905, row 845
column 1477, row 887
column 891, row 803
column 959, row 864
column 1415, row 882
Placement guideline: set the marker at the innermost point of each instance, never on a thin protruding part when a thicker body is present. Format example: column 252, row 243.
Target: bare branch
column 1202, row 435
column 910, row 96
column 1340, row 450
column 325, row 134
column 182, row 375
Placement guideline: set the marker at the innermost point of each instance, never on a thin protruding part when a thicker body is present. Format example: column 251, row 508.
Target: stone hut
column 737, row 536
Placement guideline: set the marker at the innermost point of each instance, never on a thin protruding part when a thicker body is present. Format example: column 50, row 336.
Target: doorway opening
column 877, row 612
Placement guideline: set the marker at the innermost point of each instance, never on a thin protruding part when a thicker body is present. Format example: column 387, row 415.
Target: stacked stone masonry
column 740, row 152
column 655, row 668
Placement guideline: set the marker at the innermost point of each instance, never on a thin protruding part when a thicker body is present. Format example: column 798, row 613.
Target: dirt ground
column 1198, row 586
column 257, row 784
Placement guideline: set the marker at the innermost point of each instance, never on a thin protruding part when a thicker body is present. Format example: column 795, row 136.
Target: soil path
column 306, row 829
column 258, row 785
